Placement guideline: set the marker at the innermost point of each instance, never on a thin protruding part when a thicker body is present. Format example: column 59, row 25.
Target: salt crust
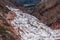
column 30, row 28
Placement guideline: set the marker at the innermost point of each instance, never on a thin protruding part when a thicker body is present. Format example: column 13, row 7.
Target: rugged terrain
column 48, row 12
column 6, row 30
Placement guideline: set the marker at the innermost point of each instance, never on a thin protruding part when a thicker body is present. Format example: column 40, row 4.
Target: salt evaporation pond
column 30, row 28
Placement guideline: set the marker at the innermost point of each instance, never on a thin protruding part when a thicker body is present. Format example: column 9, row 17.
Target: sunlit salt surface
column 30, row 28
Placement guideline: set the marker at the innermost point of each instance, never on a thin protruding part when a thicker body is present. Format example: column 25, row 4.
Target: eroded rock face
column 7, row 32
column 48, row 11
column 27, row 26
column 30, row 28
column 56, row 24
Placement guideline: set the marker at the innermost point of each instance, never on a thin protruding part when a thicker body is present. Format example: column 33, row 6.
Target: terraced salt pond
column 30, row 28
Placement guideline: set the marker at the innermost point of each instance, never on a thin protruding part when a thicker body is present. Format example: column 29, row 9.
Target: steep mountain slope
column 48, row 12
column 6, row 30
column 30, row 28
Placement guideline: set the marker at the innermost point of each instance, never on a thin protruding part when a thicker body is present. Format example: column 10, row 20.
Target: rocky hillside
column 48, row 12
column 6, row 30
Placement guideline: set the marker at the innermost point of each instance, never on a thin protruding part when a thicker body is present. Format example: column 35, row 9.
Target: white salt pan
column 30, row 28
